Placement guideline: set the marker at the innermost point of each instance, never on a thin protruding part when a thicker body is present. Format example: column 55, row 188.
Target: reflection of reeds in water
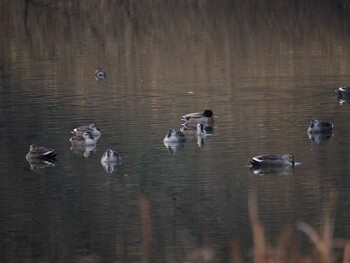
column 146, row 226
column 202, row 254
column 285, row 250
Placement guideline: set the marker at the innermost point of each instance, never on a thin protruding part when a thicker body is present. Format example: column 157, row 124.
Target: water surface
column 265, row 71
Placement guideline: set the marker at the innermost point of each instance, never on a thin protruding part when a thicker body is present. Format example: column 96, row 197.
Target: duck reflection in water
column 111, row 160
column 81, row 150
column 110, row 167
column 41, row 164
column 318, row 138
column 174, row 146
column 199, row 133
column 268, row 170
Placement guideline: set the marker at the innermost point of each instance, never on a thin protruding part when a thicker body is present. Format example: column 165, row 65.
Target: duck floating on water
column 111, row 156
column 206, row 118
column 85, row 140
column 92, row 128
column 317, row 126
column 343, row 92
column 110, row 161
column 174, row 136
column 42, row 153
column 99, row 74
column 272, row 160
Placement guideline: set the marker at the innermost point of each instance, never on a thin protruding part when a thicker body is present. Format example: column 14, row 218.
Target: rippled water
column 264, row 82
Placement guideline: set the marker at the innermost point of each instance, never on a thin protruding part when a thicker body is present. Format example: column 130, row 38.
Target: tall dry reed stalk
column 286, row 250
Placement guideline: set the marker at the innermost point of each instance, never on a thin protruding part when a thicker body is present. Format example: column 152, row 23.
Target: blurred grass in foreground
column 324, row 249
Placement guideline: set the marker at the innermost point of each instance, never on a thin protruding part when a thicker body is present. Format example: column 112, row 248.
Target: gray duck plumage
column 272, row 160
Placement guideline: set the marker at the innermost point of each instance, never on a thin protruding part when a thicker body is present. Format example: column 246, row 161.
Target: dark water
column 265, row 71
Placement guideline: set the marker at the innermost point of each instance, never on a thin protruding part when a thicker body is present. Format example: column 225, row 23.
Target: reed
column 324, row 246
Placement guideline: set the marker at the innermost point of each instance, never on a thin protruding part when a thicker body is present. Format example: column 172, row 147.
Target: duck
column 206, row 118
column 100, row 74
column 38, row 153
column 272, row 160
column 110, row 156
column 343, row 92
column 174, row 136
column 92, row 128
column 317, row 126
column 85, row 140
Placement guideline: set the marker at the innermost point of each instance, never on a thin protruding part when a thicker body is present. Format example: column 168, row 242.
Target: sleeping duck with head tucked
column 317, row 126
column 174, row 136
column 85, row 140
column 40, row 153
column 92, row 128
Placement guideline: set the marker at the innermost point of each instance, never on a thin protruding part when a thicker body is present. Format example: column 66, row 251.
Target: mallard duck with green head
column 206, row 118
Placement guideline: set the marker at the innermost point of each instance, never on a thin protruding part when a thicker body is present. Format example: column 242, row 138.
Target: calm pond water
column 265, row 70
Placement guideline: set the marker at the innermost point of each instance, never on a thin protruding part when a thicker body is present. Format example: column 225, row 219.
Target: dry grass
column 324, row 244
